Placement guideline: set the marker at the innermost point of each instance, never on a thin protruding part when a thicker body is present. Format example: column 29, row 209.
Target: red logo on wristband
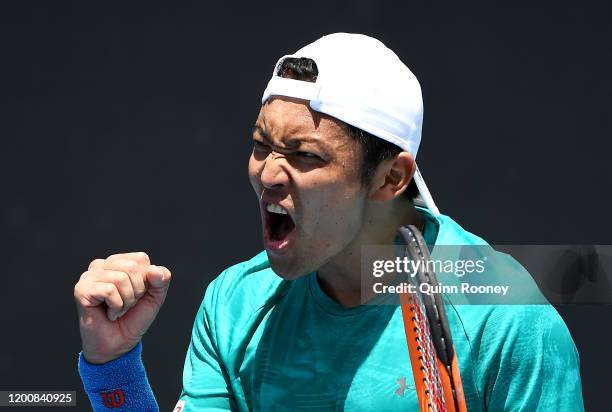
column 113, row 399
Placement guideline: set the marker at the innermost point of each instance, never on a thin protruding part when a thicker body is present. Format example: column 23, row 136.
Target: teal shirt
column 260, row 343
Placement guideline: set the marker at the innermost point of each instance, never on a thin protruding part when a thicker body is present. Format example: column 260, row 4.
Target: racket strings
column 427, row 357
column 429, row 280
column 430, row 344
column 426, row 348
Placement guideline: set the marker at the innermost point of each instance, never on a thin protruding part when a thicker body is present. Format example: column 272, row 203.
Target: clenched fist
column 117, row 300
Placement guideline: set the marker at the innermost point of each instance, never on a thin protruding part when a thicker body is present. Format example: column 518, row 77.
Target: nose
column 273, row 174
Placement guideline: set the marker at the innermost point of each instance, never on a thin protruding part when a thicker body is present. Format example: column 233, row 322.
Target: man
column 333, row 168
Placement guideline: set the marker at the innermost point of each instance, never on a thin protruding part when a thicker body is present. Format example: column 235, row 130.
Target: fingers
column 96, row 264
column 139, row 257
column 133, row 264
column 158, row 276
column 120, row 282
column 133, row 269
column 167, row 273
column 95, row 293
column 126, row 276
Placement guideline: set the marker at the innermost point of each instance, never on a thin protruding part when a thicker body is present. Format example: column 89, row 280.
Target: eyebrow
column 262, row 132
column 291, row 141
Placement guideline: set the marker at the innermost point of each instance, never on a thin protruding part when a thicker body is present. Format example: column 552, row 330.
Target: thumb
column 158, row 278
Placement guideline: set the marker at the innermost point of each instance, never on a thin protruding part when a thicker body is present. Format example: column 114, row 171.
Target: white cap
column 363, row 83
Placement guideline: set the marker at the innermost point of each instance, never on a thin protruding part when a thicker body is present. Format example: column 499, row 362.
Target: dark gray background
column 128, row 128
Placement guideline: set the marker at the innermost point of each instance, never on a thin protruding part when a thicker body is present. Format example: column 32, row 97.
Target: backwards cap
column 363, row 83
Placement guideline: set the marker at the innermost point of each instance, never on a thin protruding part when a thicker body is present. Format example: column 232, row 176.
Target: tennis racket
column 430, row 345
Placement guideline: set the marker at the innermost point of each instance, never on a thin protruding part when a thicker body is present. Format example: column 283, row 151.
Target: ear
column 392, row 177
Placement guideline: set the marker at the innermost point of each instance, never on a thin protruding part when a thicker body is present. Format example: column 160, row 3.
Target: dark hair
column 375, row 150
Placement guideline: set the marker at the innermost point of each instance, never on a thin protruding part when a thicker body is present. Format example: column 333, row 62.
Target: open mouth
column 279, row 225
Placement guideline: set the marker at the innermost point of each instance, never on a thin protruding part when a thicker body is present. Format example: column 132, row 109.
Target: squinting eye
column 259, row 145
column 307, row 155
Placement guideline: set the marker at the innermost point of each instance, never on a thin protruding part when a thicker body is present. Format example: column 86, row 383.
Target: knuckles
column 122, row 278
column 95, row 263
column 124, row 266
column 142, row 258
column 108, row 289
column 77, row 290
column 131, row 266
column 83, row 276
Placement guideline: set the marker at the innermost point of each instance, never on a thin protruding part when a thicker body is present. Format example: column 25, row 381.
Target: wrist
column 99, row 359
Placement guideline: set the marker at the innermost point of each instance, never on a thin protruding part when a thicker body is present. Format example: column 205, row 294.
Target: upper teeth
column 276, row 209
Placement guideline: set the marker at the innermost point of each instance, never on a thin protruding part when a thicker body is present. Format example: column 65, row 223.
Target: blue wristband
column 118, row 385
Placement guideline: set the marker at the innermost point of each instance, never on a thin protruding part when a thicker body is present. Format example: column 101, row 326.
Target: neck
column 340, row 278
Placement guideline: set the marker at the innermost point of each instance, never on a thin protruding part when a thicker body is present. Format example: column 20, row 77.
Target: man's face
column 305, row 171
